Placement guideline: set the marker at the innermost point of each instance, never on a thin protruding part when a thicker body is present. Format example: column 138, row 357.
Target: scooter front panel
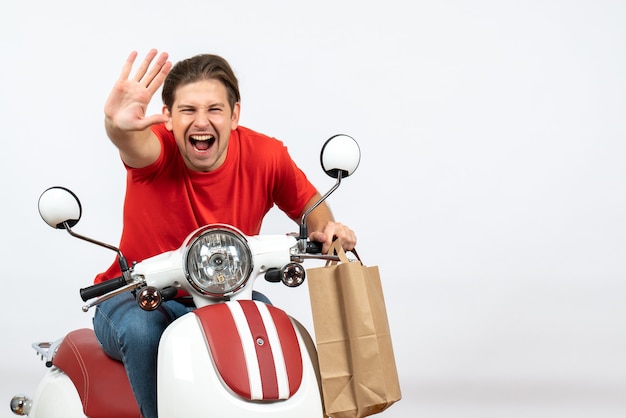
column 189, row 383
column 254, row 347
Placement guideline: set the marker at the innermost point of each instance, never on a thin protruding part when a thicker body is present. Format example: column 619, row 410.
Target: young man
column 189, row 166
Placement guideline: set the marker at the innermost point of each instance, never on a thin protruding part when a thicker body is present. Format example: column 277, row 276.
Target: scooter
column 232, row 356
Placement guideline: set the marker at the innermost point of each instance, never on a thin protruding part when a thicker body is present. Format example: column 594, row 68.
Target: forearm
column 137, row 148
column 319, row 217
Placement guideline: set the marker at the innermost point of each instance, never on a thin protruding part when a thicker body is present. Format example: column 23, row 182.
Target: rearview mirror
column 59, row 207
column 340, row 154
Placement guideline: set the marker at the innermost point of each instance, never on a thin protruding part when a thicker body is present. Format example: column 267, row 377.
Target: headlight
column 217, row 260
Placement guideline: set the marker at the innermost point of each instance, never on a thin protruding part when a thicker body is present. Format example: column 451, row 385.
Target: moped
column 230, row 357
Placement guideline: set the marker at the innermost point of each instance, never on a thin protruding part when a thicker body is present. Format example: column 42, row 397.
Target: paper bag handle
column 336, row 248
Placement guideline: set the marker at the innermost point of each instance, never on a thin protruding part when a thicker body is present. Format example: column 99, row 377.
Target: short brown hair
column 197, row 68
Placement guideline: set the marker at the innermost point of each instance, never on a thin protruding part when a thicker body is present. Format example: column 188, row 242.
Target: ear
column 167, row 113
column 234, row 117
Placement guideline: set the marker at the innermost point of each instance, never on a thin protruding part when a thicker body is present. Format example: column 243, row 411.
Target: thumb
column 318, row 236
column 155, row 119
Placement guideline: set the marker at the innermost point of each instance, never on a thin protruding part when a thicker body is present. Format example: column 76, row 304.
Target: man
column 187, row 167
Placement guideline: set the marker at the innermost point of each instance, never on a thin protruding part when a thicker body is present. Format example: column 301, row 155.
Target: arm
column 323, row 228
column 126, row 122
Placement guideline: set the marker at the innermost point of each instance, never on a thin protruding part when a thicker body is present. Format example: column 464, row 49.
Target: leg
column 260, row 297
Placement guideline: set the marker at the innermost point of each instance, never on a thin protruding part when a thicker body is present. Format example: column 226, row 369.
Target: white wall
column 491, row 191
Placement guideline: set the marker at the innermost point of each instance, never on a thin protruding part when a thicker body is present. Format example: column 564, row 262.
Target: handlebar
column 313, row 247
column 100, row 289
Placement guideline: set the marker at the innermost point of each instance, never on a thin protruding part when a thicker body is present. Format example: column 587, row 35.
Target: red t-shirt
column 166, row 201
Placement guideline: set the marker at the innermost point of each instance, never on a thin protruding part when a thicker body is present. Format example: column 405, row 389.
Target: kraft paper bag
column 357, row 365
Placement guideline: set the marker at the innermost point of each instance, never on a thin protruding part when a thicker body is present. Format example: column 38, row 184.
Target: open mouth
column 202, row 142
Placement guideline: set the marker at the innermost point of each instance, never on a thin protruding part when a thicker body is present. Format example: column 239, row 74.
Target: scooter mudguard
column 237, row 359
column 56, row 397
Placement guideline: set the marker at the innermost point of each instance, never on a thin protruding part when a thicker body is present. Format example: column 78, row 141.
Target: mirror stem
column 121, row 259
column 304, row 234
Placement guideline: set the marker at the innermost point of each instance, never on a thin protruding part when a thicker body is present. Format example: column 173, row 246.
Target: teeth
column 201, row 137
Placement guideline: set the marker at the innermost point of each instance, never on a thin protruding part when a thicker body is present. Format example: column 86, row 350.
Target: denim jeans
column 131, row 335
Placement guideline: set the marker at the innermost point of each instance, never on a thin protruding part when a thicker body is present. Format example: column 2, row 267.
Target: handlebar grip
column 101, row 288
column 313, row 247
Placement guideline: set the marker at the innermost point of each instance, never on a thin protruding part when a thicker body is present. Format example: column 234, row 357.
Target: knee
column 129, row 325
column 144, row 329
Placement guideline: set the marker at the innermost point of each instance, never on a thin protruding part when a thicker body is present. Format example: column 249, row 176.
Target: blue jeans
column 131, row 335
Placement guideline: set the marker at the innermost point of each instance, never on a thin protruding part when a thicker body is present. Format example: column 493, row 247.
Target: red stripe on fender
column 225, row 345
column 291, row 348
column 263, row 348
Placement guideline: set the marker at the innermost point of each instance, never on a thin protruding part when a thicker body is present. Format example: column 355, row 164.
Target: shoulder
column 166, row 137
column 166, row 155
column 249, row 136
column 161, row 132
column 259, row 144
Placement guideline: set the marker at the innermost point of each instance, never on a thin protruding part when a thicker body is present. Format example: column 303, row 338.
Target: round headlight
column 217, row 260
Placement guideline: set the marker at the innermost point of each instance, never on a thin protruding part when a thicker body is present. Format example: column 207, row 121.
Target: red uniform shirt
column 166, row 201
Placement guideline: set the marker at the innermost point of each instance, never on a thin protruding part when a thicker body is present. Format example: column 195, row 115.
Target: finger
column 158, row 79
column 347, row 236
column 349, row 242
column 155, row 119
column 317, row 236
column 128, row 65
column 156, row 69
column 145, row 64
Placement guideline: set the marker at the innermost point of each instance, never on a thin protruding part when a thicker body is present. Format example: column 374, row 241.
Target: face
column 201, row 120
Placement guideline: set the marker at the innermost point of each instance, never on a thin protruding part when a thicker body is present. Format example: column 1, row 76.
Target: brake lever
column 109, row 295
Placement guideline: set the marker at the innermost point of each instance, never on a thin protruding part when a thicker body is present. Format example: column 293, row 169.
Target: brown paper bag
column 357, row 365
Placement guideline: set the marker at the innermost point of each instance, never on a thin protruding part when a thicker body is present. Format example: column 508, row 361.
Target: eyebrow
column 190, row 105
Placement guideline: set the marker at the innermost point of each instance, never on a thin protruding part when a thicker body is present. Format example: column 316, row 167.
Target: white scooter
column 232, row 356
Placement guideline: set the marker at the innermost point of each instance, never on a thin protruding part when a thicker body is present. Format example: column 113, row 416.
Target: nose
column 202, row 119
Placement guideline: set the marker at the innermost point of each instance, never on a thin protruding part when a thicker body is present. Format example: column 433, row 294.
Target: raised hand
column 126, row 106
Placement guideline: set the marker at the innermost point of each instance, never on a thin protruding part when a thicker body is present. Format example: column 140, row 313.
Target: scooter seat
column 101, row 382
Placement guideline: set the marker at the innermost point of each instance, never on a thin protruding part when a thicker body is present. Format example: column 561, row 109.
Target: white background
column 491, row 190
